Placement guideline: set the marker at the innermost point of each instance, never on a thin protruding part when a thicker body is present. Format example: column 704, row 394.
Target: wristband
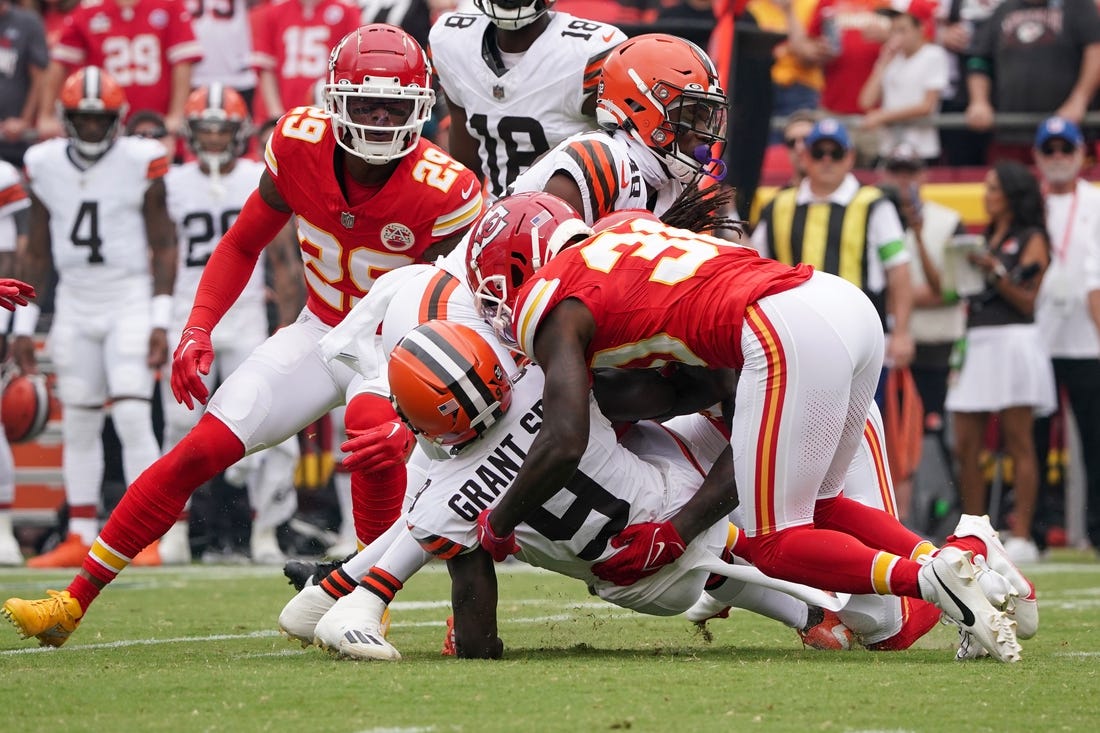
column 25, row 320
column 160, row 314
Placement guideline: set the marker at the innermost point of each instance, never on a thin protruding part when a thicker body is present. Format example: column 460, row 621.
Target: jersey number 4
column 85, row 231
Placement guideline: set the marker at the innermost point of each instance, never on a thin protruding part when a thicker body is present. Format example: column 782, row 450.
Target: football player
column 532, row 85
column 807, row 351
column 98, row 219
column 13, row 293
column 661, row 111
column 369, row 195
column 205, row 196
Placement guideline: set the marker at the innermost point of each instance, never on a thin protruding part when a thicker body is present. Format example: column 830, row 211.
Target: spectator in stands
column 53, row 13
column 23, row 57
column 150, row 125
column 291, row 42
column 224, row 31
column 907, row 81
column 148, row 46
column 959, row 19
column 833, row 223
column 1033, row 56
column 1005, row 370
column 1062, row 308
column 798, row 126
column 796, row 75
column 851, row 33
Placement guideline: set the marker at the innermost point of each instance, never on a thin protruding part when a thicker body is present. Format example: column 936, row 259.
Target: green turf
column 196, row 650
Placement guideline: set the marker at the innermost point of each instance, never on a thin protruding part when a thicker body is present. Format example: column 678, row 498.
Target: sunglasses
column 1054, row 147
column 790, row 142
column 835, row 154
column 155, row 134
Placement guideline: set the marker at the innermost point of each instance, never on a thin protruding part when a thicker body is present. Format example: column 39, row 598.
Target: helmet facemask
column 510, row 15
column 91, row 149
column 197, row 128
column 352, row 105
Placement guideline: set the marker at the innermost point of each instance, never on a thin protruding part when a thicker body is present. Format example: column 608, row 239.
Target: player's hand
column 379, row 448
column 22, row 353
column 158, row 349
column 193, row 357
column 646, row 548
column 14, row 292
column 499, row 548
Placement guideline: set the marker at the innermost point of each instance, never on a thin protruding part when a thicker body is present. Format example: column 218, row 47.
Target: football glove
column 499, row 548
column 645, row 549
column 378, row 448
column 193, row 357
column 14, row 292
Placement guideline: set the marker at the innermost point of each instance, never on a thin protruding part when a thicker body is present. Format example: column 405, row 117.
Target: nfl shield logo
column 347, row 219
column 498, row 92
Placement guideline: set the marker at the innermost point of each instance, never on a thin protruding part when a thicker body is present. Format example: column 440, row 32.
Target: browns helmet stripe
column 215, row 96
column 443, row 360
column 91, row 83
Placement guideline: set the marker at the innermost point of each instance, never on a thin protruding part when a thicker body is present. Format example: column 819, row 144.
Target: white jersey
column 203, row 211
column 225, row 34
column 612, row 170
column 97, row 224
column 12, row 198
column 612, row 488
column 519, row 113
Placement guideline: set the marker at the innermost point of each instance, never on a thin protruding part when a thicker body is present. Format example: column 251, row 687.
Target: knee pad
column 133, row 419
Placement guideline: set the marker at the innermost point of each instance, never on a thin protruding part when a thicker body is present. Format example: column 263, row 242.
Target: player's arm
column 161, row 235
column 562, row 185
column 442, row 247
column 287, row 275
column 474, row 601
column 658, row 394
column 556, row 452
column 180, row 88
column 715, row 499
column 33, row 266
column 462, row 146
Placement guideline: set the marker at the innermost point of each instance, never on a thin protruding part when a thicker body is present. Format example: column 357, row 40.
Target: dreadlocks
column 698, row 209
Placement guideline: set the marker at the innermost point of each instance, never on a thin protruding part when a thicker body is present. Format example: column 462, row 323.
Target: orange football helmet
column 515, row 237
column 25, row 407
column 217, row 108
column 91, row 91
column 512, row 14
column 657, row 87
column 378, row 67
column 447, row 383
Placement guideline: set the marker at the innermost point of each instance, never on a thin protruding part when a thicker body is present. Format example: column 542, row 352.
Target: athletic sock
column 338, row 584
column 381, row 584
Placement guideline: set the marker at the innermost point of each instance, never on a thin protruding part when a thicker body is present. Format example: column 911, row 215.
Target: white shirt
column 883, row 227
column 905, row 83
column 937, row 324
column 1061, row 308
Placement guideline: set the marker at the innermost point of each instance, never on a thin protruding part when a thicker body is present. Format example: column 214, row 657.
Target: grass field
column 195, row 649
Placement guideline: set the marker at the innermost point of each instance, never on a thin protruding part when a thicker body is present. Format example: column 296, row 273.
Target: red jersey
column 428, row 198
column 293, row 40
column 848, row 22
column 137, row 46
column 657, row 294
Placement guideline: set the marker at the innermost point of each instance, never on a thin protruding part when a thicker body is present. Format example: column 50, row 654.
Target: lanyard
column 1060, row 251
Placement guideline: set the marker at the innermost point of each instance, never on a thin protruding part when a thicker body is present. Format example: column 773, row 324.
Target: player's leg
column 9, row 546
column 76, row 348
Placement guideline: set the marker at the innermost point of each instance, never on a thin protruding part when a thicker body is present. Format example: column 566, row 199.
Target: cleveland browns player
column 369, row 195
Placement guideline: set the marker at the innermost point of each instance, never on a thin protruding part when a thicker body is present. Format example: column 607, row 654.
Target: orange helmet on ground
column 217, row 108
column 515, row 237
column 657, row 87
column 87, row 92
column 447, row 383
column 379, row 67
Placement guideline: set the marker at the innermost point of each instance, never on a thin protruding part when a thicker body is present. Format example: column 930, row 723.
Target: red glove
column 499, row 548
column 193, row 357
column 14, row 292
column 646, row 547
column 379, row 448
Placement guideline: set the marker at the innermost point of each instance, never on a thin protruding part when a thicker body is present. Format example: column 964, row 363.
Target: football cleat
column 950, row 582
column 301, row 573
column 449, row 649
column 824, row 630
column 1024, row 606
column 10, row 554
column 68, row 554
column 969, row 648
column 354, row 628
column 174, row 547
column 299, row 617
column 52, row 620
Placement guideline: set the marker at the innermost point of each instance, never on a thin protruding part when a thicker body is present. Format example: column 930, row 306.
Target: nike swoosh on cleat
column 967, row 614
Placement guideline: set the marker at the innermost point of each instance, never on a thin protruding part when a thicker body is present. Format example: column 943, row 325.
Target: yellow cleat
column 51, row 619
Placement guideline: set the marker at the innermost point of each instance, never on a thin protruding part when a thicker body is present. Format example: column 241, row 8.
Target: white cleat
column 10, row 554
column 1024, row 607
column 950, row 582
column 175, row 546
column 264, row 547
column 969, row 648
column 299, row 617
column 355, row 628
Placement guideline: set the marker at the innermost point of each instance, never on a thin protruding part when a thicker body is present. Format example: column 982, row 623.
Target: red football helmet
column 217, row 109
column 91, row 92
column 25, row 407
column 516, row 236
column 657, row 87
column 512, row 14
column 447, row 383
column 379, row 92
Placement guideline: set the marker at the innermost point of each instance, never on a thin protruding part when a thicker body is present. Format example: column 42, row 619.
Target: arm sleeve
column 233, row 261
